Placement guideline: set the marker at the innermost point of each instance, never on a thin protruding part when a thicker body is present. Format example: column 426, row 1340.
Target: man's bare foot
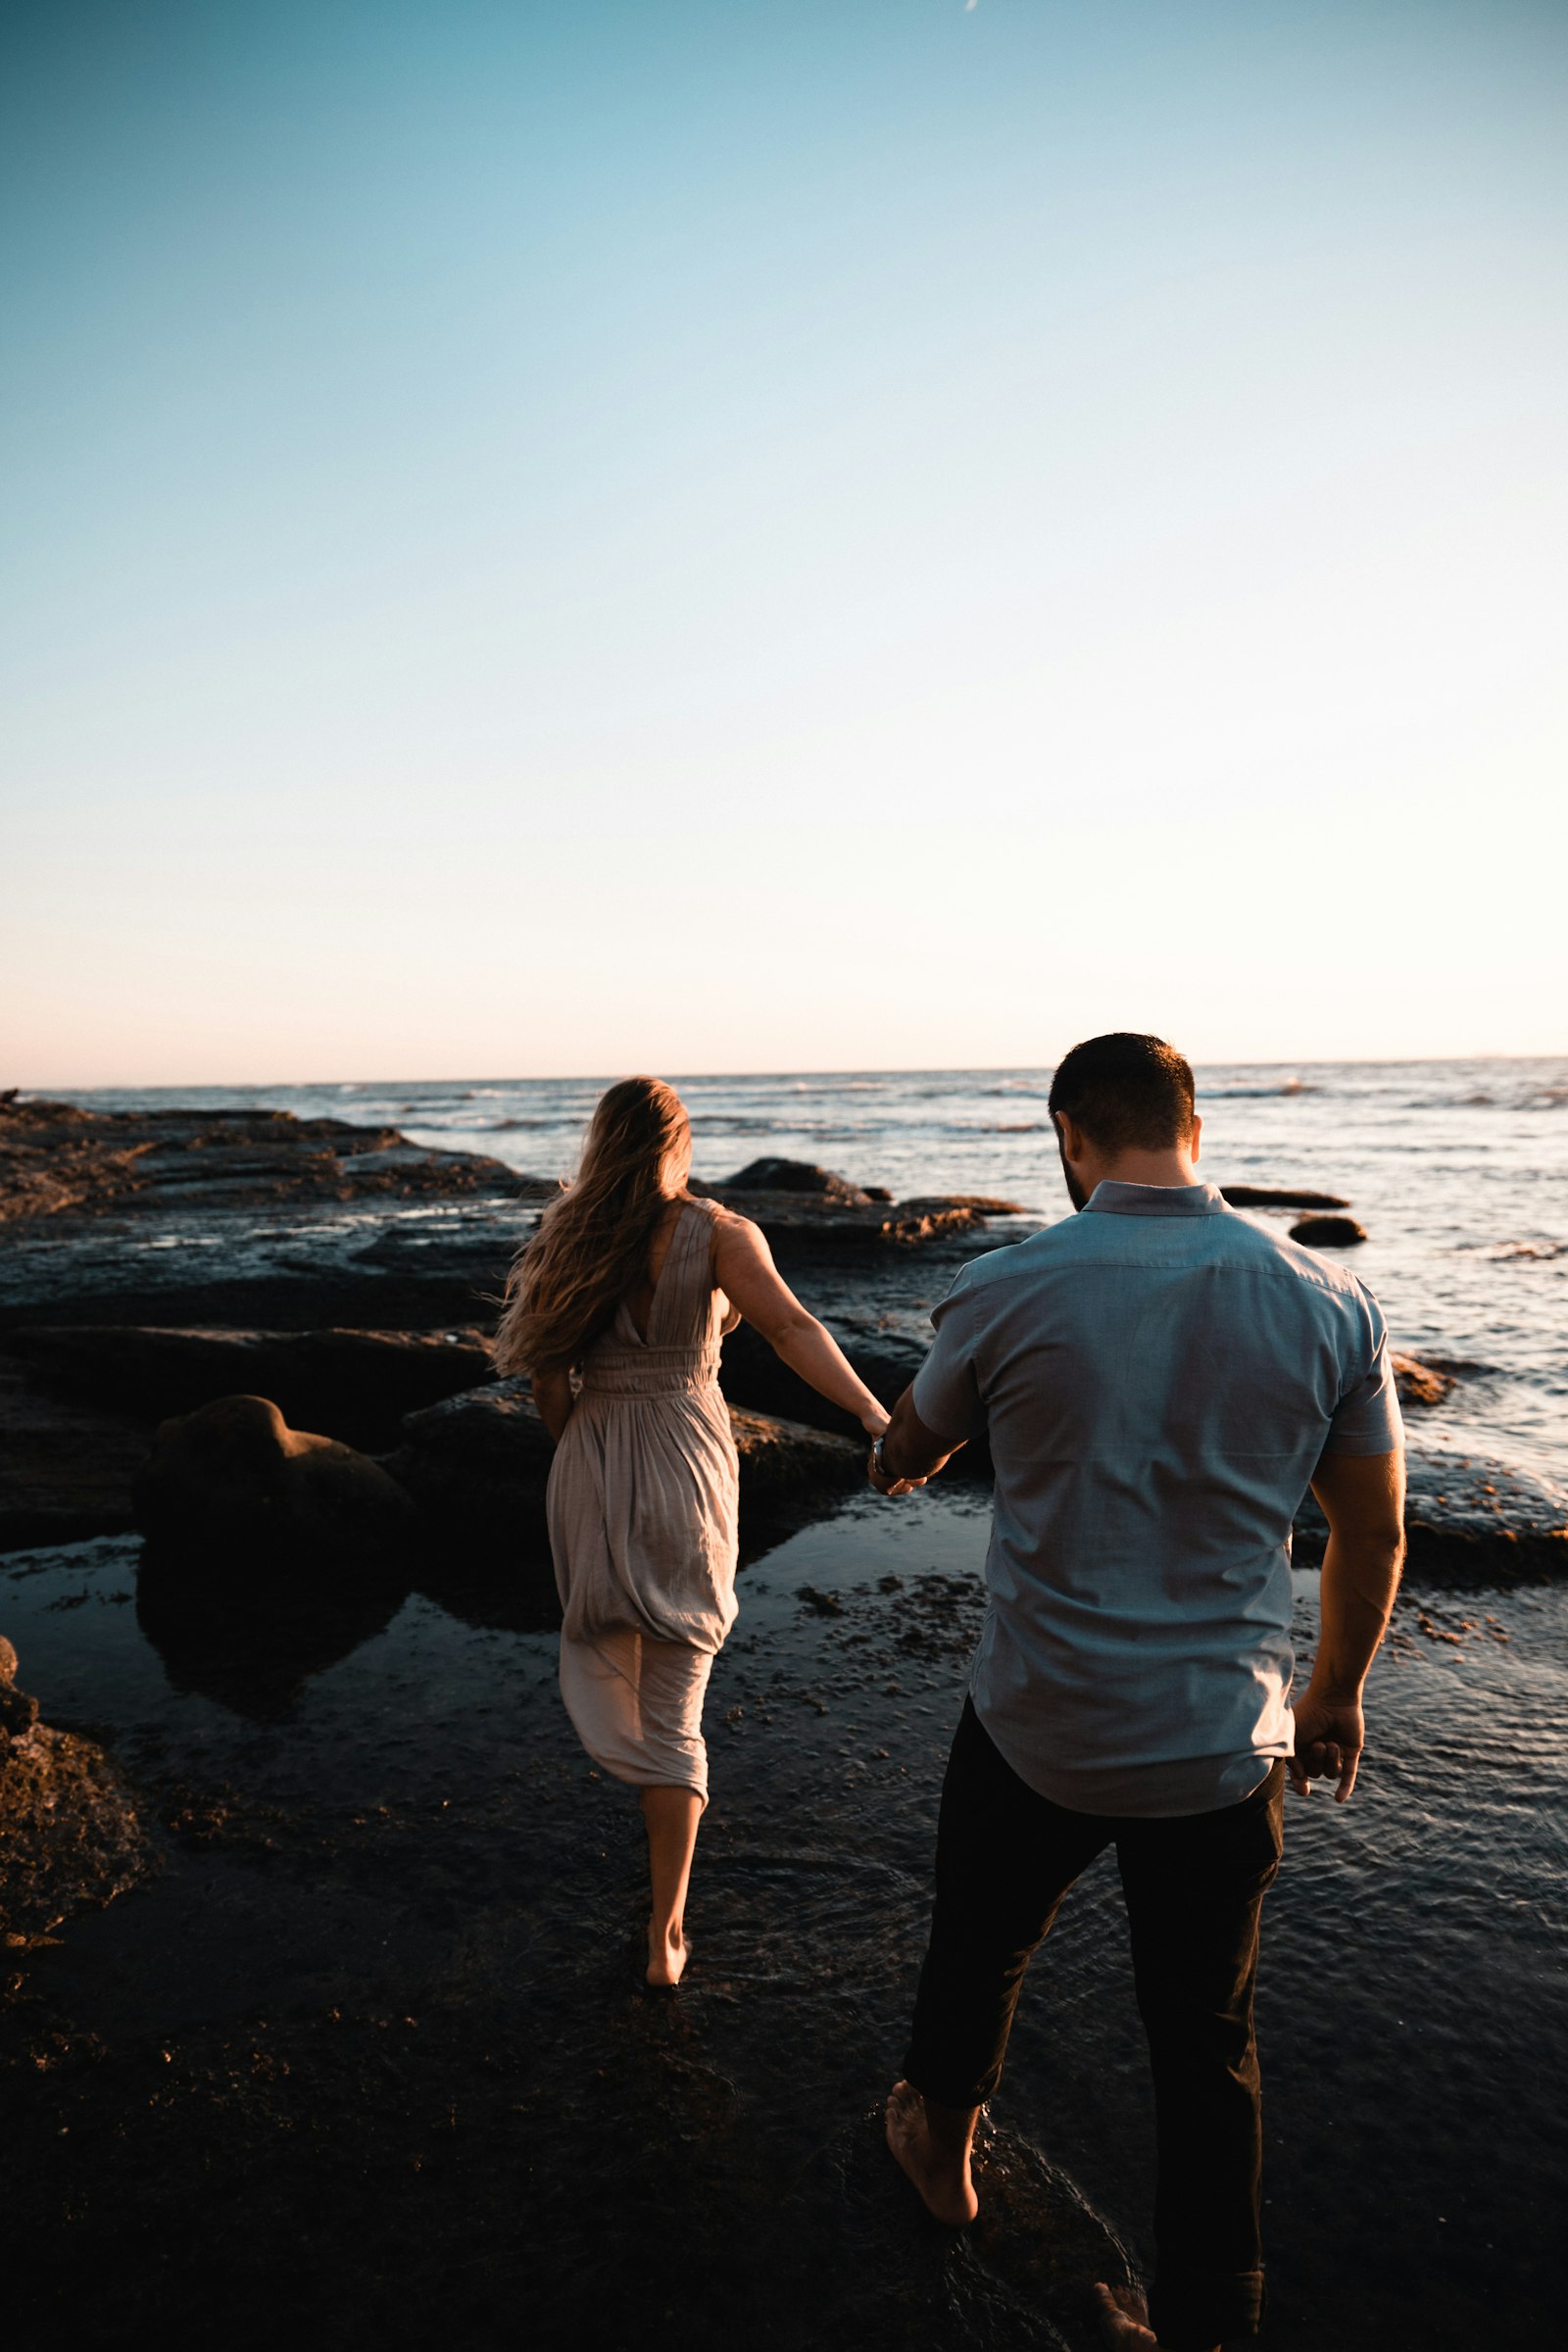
column 667, row 1956
column 942, row 2178
column 1124, row 2320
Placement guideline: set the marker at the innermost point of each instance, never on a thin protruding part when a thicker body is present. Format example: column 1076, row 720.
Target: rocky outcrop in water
column 806, row 1211
column 1262, row 1196
column 1469, row 1522
column 1329, row 1233
column 1420, row 1384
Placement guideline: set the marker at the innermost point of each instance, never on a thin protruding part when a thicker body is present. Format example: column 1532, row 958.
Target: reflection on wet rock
column 250, row 1634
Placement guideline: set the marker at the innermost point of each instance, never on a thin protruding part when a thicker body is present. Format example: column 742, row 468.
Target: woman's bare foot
column 940, row 2173
column 667, row 1956
column 1124, row 2320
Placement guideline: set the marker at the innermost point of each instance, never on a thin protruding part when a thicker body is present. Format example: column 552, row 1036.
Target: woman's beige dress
column 642, row 1509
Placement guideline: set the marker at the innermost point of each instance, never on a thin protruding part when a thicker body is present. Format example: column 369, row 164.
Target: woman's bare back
column 640, row 1298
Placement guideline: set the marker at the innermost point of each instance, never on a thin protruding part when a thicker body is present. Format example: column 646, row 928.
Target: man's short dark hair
column 1128, row 1093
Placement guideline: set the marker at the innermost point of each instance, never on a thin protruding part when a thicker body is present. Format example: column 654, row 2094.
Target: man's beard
column 1075, row 1190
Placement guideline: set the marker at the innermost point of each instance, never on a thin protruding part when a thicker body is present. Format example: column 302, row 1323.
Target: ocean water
column 1458, row 1170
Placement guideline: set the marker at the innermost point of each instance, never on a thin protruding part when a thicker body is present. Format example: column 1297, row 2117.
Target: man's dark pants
column 1194, row 1886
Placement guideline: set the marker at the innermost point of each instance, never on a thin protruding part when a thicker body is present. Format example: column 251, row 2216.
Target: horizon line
column 64, row 1089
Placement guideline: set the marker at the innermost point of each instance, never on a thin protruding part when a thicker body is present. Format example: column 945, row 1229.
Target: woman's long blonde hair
column 591, row 1244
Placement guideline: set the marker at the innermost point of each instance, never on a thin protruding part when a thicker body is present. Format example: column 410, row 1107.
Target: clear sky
column 743, row 534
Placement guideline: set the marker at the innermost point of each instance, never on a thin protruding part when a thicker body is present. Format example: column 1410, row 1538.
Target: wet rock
column 1328, row 1233
column 68, row 1832
column 1420, row 1384
column 481, row 1460
column 232, row 1480
column 770, row 1175
column 754, row 1377
column 1469, row 1522
column 784, row 1463
column 806, row 1211
column 65, row 1468
column 17, row 1712
column 478, row 1461
column 801, row 1228
column 356, row 1385
column 1261, row 1195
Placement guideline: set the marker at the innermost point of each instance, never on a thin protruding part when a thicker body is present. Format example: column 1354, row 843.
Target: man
column 1160, row 1380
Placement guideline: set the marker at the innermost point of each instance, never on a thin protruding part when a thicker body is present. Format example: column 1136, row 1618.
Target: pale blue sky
column 746, row 536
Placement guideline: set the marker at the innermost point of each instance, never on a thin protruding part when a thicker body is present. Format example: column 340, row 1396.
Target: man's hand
column 885, row 1485
column 912, row 1451
column 1329, row 1736
column 1362, row 1498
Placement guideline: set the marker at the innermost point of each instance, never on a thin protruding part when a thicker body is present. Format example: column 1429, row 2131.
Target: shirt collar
column 1155, row 1199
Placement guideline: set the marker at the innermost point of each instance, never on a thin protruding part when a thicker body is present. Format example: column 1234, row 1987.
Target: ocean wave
column 1257, row 1094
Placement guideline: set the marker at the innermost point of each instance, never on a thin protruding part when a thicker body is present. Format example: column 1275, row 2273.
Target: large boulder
column 233, row 1478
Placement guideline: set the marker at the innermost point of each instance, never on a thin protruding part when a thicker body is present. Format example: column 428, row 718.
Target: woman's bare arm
column 551, row 1393
column 744, row 1268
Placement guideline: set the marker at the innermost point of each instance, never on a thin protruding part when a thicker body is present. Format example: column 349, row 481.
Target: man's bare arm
column 1362, row 1498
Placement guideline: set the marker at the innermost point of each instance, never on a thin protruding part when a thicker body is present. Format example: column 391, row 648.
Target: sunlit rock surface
column 70, row 1836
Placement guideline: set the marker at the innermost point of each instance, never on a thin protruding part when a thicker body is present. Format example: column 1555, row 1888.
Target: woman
column 631, row 1281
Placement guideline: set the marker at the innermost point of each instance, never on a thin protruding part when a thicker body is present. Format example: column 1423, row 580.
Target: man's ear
column 1069, row 1136
column 1198, row 1137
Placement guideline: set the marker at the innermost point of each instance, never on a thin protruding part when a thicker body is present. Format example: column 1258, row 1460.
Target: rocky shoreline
column 158, row 1262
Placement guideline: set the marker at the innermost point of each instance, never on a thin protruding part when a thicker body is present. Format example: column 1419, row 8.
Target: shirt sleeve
column 947, row 1386
column 1367, row 1418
